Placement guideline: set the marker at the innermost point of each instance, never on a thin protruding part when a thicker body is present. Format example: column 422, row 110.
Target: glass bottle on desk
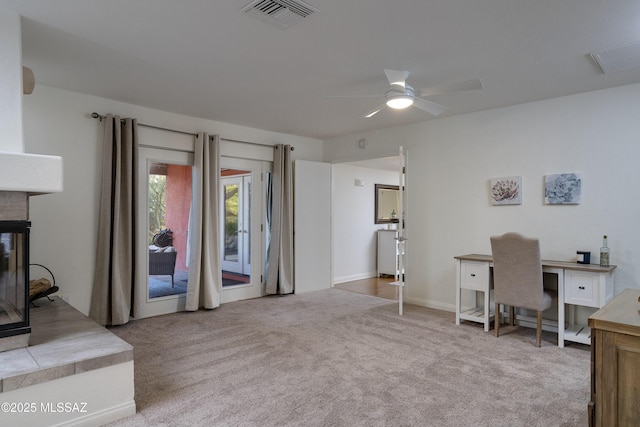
column 604, row 253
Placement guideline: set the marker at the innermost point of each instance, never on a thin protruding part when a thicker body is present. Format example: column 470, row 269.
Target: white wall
column 451, row 161
column 57, row 122
column 11, row 136
column 354, row 230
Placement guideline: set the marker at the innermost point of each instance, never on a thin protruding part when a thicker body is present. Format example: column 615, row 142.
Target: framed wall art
column 506, row 191
column 563, row 189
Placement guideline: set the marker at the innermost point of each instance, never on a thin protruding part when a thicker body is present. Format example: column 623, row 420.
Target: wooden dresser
column 615, row 362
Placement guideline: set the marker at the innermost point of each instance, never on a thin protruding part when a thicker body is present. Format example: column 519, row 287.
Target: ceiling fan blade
column 397, row 78
column 429, row 107
column 374, row 112
column 452, row 87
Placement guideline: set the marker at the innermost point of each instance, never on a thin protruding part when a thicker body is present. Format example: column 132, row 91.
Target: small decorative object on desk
column 604, row 253
column 584, row 257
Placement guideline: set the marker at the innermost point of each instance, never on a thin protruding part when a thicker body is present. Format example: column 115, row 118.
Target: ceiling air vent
column 279, row 13
column 618, row 59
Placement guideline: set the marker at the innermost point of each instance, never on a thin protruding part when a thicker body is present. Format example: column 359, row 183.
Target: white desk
column 588, row 285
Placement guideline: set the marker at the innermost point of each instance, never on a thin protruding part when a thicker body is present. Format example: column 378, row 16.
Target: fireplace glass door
column 14, row 263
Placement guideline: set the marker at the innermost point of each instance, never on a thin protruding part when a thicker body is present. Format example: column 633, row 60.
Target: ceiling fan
column 400, row 95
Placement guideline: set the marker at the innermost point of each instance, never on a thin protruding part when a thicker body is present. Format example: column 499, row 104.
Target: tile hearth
column 63, row 342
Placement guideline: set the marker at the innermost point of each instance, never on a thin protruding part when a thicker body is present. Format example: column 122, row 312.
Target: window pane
column 169, row 203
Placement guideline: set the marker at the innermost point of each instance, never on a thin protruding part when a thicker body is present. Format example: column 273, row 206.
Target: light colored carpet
column 337, row 358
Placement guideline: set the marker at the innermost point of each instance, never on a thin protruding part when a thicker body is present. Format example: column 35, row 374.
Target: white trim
column 353, row 277
column 103, row 417
column 437, row 305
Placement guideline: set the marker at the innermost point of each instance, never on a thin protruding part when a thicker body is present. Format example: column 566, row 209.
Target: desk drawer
column 474, row 275
column 581, row 289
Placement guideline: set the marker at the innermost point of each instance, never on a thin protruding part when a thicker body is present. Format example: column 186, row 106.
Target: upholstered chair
column 517, row 278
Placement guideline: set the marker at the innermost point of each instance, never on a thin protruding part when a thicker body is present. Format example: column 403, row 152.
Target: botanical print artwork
column 506, row 191
column 563, row 189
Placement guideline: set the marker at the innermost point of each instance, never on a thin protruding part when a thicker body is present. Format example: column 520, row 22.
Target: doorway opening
column 366, row 250
column 375, row 286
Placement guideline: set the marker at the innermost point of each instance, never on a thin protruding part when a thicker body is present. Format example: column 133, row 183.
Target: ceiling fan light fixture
column 400, row 102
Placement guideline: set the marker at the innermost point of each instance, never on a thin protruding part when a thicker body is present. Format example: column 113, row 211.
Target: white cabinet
column 586, row 289
column 388, row 252
column 474, row 275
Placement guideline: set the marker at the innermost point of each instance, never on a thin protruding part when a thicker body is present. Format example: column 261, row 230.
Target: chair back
column 162, row 263
column 517, row 271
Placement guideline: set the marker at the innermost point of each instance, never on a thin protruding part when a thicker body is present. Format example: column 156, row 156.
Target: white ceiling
column 206, row 59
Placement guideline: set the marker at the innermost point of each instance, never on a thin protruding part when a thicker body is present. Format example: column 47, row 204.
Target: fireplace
column 14, row 284
column 22, row 175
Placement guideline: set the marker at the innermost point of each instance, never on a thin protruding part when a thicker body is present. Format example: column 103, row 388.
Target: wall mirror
column 386, row 204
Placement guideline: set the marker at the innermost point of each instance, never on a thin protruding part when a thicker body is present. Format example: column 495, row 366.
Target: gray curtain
column 205, row 274
column 111, row 300
column 280, row 252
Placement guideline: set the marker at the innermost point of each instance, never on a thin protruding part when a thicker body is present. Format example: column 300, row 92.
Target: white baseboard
column 352, row 277
column 437, row 305
column 102, row 417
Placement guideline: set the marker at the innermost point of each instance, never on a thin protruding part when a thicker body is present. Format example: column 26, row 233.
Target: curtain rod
column 100, row 117
column 251, row 143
